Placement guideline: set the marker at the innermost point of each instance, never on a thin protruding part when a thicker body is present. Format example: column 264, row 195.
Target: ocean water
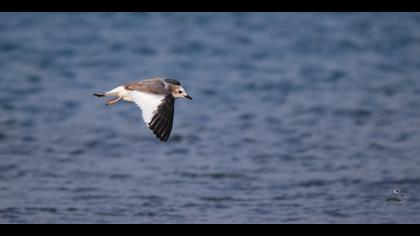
column 296, row 118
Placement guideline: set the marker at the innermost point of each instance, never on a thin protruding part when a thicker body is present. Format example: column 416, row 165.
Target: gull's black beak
column 188, row 96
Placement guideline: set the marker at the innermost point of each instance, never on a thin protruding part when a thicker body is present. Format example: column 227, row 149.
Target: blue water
column 296, row 118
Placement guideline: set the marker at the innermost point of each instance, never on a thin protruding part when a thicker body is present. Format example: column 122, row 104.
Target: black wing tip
column 159, row 131
column 162, row 138
column 172, row 81
column 162, row 133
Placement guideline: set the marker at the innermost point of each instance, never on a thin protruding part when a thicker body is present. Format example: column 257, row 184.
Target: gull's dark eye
column 179, row 91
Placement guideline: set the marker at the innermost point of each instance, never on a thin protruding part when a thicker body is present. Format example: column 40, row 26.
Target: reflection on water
column 296, row 118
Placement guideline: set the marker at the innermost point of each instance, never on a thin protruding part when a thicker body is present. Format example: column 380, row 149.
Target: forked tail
column 116, row 92
column 109, row 102
column 99, row 94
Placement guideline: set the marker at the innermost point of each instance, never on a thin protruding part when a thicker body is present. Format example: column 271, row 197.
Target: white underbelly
column 121, row 92
column 125, row 95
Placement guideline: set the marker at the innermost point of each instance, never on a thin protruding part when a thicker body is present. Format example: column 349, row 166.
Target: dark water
column 296, row 118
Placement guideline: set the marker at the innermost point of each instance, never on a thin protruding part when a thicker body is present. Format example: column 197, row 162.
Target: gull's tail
column 99, row 94
column 115, row 92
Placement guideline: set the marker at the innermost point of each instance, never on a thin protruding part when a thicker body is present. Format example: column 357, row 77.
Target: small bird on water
column 396, row 197
column 156, row 99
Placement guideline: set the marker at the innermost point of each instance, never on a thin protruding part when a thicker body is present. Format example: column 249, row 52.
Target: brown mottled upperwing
column 154, row 85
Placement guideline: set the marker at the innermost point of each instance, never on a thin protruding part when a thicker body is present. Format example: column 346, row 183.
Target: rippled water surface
column 296, row 118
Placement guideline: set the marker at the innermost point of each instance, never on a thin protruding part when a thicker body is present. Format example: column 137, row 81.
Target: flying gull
column 155, row 97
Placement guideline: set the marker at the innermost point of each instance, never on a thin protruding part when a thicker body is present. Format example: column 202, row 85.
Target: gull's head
column 177, row 90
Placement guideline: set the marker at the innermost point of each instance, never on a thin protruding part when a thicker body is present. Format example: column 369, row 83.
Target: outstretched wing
column 163, row 118
column 157, row 112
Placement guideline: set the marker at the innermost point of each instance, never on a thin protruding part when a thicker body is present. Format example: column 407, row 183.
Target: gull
column 156, row 99
column 397, row 197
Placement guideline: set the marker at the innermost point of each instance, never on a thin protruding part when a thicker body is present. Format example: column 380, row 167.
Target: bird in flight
column 155, row 97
